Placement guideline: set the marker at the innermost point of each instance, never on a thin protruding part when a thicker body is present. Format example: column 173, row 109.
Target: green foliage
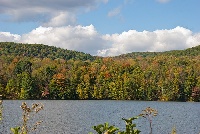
column 26, row 86
column 12, row 90
column 32, row 71
column 147, row 113
column 23, row 66
column 16, row 130
column 60, row 87
column 1, row 91
column 105, row 128
column 130, row 127
column 41, row 51
column 194, row 51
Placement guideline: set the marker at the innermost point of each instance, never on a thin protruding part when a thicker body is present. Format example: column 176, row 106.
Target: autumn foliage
column 167, row 76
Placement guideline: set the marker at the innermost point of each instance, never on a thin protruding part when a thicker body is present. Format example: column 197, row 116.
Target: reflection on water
column 77, row 117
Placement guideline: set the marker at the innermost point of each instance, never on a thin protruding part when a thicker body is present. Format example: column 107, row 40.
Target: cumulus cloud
column 46, row 11
column 87, row 39
column 79, row 38
column 7, row 36
column 61, row 19
column 59, row 28
column 159, row 40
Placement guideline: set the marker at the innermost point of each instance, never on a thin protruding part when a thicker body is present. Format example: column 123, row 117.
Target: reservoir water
column 78, row 116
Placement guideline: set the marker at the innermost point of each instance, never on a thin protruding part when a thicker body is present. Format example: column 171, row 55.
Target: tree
column 26, row 86
column 60, row 87
column 23, row 66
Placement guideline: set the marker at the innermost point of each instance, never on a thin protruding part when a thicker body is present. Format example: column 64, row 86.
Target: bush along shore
column 130, row 128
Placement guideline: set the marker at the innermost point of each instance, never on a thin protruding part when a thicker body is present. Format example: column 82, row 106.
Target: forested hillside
column 41, row 51
column 25, row 74
column 194, row 51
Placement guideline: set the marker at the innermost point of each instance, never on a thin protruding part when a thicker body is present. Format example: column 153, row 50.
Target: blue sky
column 143, row 15
column 102, row 27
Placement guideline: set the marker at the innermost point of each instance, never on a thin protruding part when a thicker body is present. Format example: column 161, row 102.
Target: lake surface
column 78, row 117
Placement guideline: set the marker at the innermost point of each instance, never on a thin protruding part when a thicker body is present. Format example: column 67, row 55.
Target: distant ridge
column 194, row 51
column 52, row 52
column 41, row 51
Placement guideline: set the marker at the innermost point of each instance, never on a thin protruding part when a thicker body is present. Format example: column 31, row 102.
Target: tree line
column 158, row 77
column 41, row 51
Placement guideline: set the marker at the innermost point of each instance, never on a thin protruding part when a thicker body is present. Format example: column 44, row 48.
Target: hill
column 45, row 51
column 41, row 51
column 36, row 71
column 194, row 51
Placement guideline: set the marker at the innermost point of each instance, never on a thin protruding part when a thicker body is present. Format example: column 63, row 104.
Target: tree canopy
column 32, row 71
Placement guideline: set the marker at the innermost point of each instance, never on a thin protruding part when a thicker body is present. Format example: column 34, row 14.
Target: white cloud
column 87, row 39
column 61, row 19
column 128, row 2
column 159, row 40
column 105, row 1
column 117, row 11
column 79, row 38
column 163, row 1
column 58, row 28
column 7, row 36
column 114, row 12
column 47, row 12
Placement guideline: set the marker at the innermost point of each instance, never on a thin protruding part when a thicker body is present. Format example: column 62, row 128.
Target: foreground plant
column 1, row 109
column 149, row 113
column 130, row 127
column 173, row 130
column 28, row 112
column 106, row 129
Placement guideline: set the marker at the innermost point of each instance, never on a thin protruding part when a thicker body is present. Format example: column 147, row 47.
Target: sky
column 102, row 27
